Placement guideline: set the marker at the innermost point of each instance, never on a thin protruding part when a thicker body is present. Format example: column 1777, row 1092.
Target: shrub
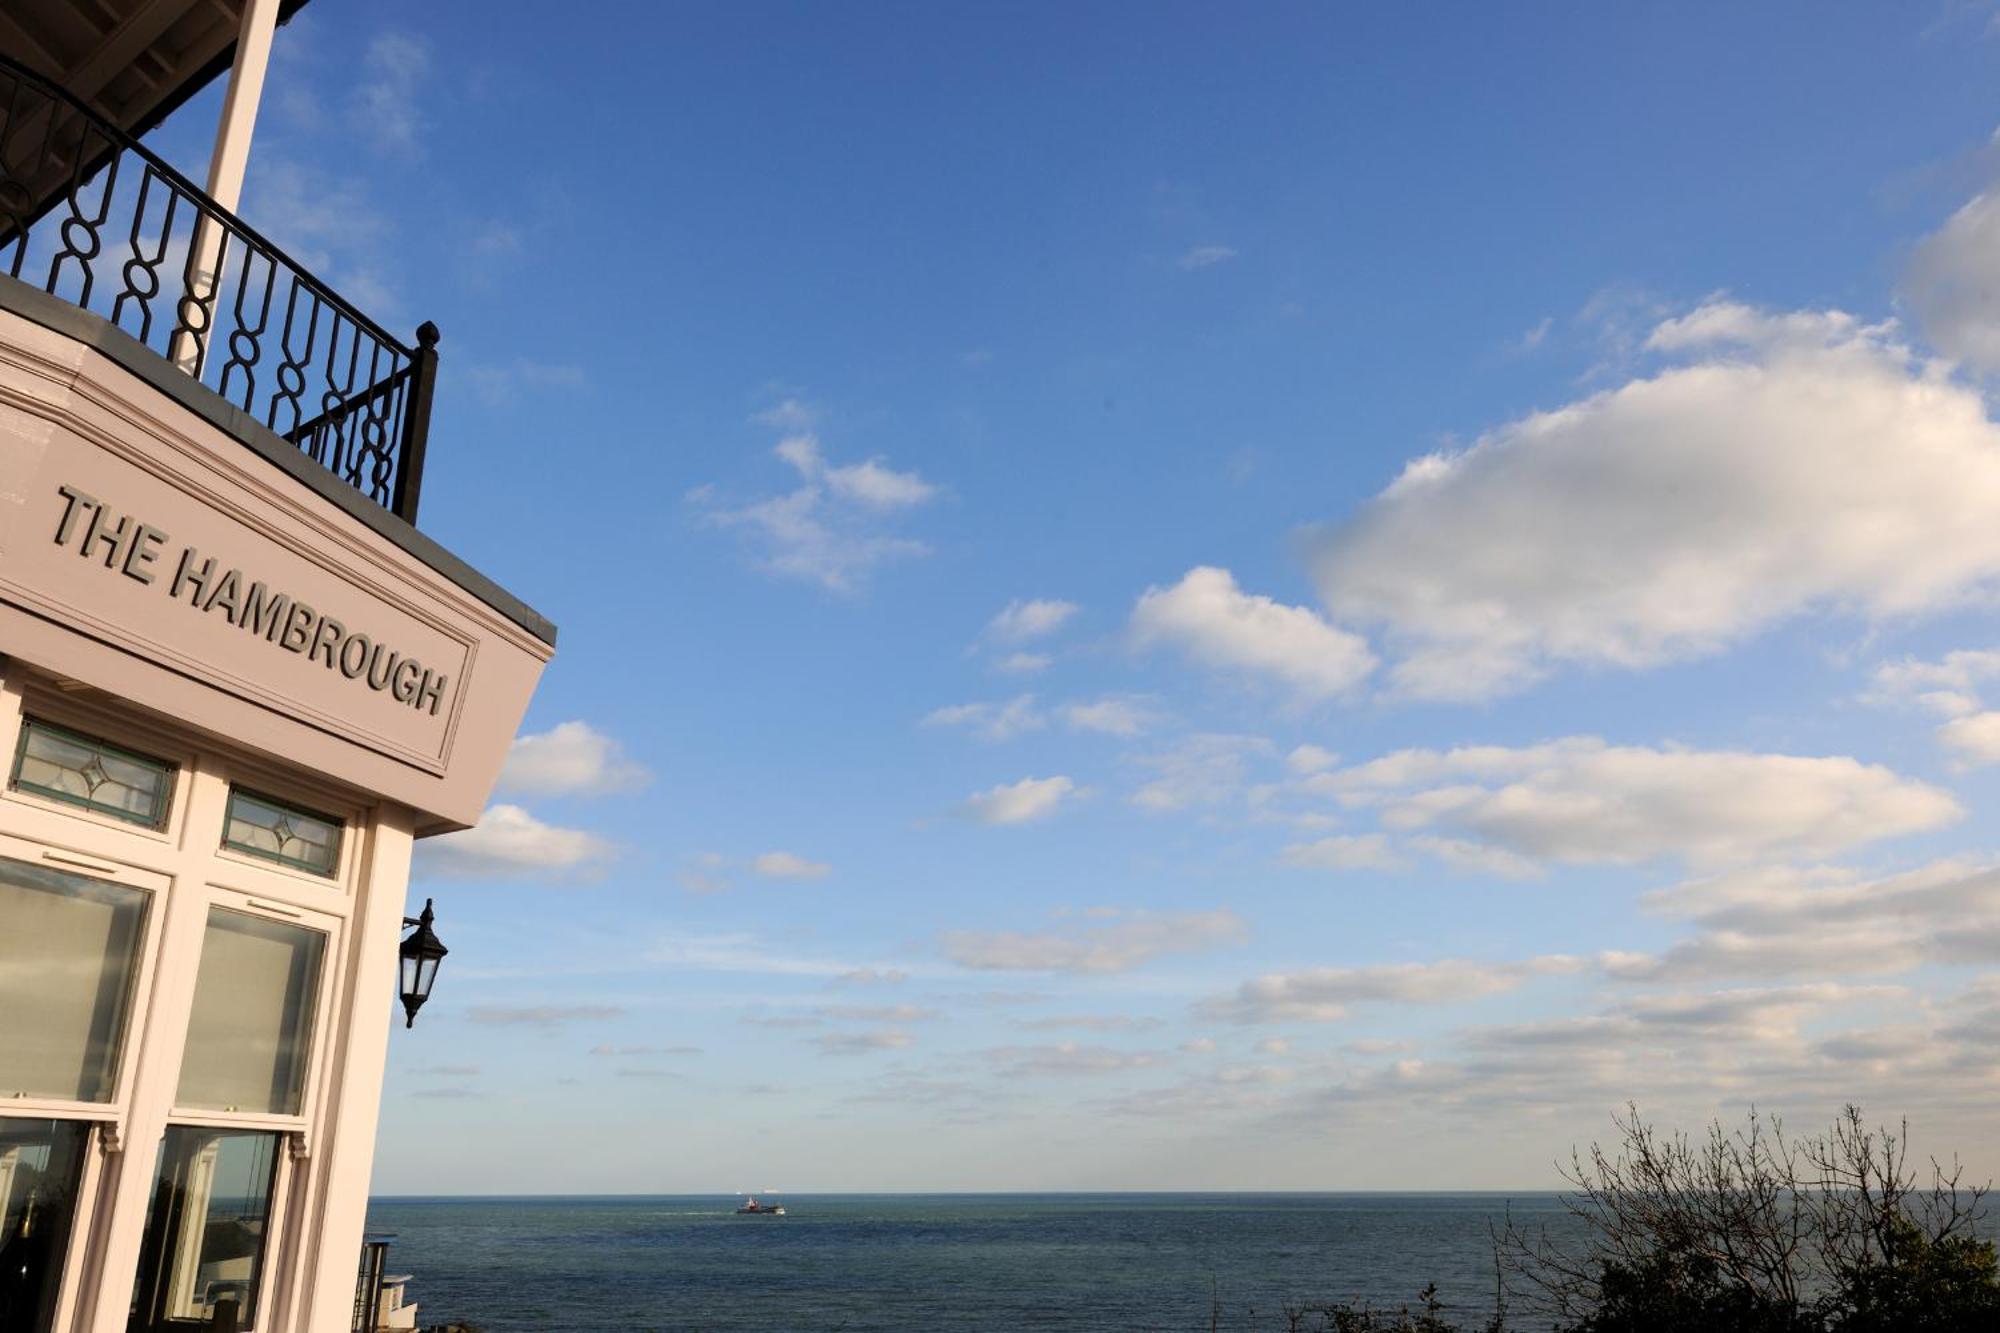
column 1749, row 1231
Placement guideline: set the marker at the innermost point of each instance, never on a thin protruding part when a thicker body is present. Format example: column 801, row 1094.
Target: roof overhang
column 132, row 61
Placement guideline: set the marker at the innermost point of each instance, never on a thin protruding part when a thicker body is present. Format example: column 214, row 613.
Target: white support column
column 239, row 104
column 230, row 159
column 345, row 1156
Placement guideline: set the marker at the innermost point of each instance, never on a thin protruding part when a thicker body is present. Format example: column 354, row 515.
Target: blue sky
column 1307, row 598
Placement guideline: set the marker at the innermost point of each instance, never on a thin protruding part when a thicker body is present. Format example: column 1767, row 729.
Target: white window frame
column 185, row 869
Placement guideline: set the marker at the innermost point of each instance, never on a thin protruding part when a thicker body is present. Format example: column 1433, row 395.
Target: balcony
column 93, row 219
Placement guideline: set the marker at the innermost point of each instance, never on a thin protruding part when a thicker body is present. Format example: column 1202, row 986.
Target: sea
column 1081, row 1263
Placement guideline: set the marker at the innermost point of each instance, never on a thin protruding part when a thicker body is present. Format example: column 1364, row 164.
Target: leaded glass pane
column 85, row 771
column 283, row 833
column 69, row 947
column 251, row 1030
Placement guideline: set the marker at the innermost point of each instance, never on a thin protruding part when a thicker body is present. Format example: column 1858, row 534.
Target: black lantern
column 421, row 953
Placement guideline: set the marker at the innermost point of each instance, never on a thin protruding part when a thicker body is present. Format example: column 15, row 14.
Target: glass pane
column 282, row 833
column 204, row 1248
column 69, row 946
column 41, row 1171
column 251, row 1029
column 85, row 771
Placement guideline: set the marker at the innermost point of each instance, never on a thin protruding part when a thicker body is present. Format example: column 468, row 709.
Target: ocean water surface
column 1083, row 1263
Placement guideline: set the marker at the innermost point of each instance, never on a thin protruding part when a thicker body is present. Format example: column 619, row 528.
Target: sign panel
column 203, row 580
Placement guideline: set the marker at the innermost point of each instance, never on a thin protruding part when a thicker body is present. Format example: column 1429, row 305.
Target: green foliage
column 1671, row 1292
column 1922, row 1285
column 1428, row 1317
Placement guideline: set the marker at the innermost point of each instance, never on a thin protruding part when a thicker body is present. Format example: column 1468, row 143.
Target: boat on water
column 753, row 1205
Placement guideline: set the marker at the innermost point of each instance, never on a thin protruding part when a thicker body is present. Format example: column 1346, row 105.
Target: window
column 69, row 947
column 202, row 1259
column 251, row 1030
column 82, row 770
column 41, row 1175
column 282, row 833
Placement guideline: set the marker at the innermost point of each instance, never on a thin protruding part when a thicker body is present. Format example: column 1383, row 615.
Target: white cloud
column 871, row 976
column 1953, row 284
column 1767, row 1015
column 1112, row 716
column 510, row 843
column 1265, row 1074
column 570, row 759
column 1206, row 769
column 606, row 1048
column 1309, row 759
column 1089, row 1023
column 1531, row 338
column 1019, row 802
column 1949, row 688
column 549, row 1016
column 1020, row 621
column 862, row 1043
column 1213, row 621
column 994, row 721
column 329, row 222
column 1205, row 256
column 1793, row 462
column 788, row 415
column 1473, row 857
column 1343, row 851
column 1324, row 994
column 502, row 385
column 707, row 873
column 1374, row 1046
column 750, row 955
column 804, row 539
column 1581, row 801
column 712, row 872
column 876, row 1013
column 786, row 865
column 1123, row 944
column 1975, row 737
column 1792, row 922
column 1068, row 1059
column 1960, row 672
column 871, row 483
column 1682, row 1057
column 1023, row 664
column 828, row 530
column 385, row 102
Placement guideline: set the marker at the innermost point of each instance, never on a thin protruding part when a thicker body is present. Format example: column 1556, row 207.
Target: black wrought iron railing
column 368, row 1284
column 91, row 216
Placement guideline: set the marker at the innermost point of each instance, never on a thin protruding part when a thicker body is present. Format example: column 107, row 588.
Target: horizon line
column 932, row 1193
